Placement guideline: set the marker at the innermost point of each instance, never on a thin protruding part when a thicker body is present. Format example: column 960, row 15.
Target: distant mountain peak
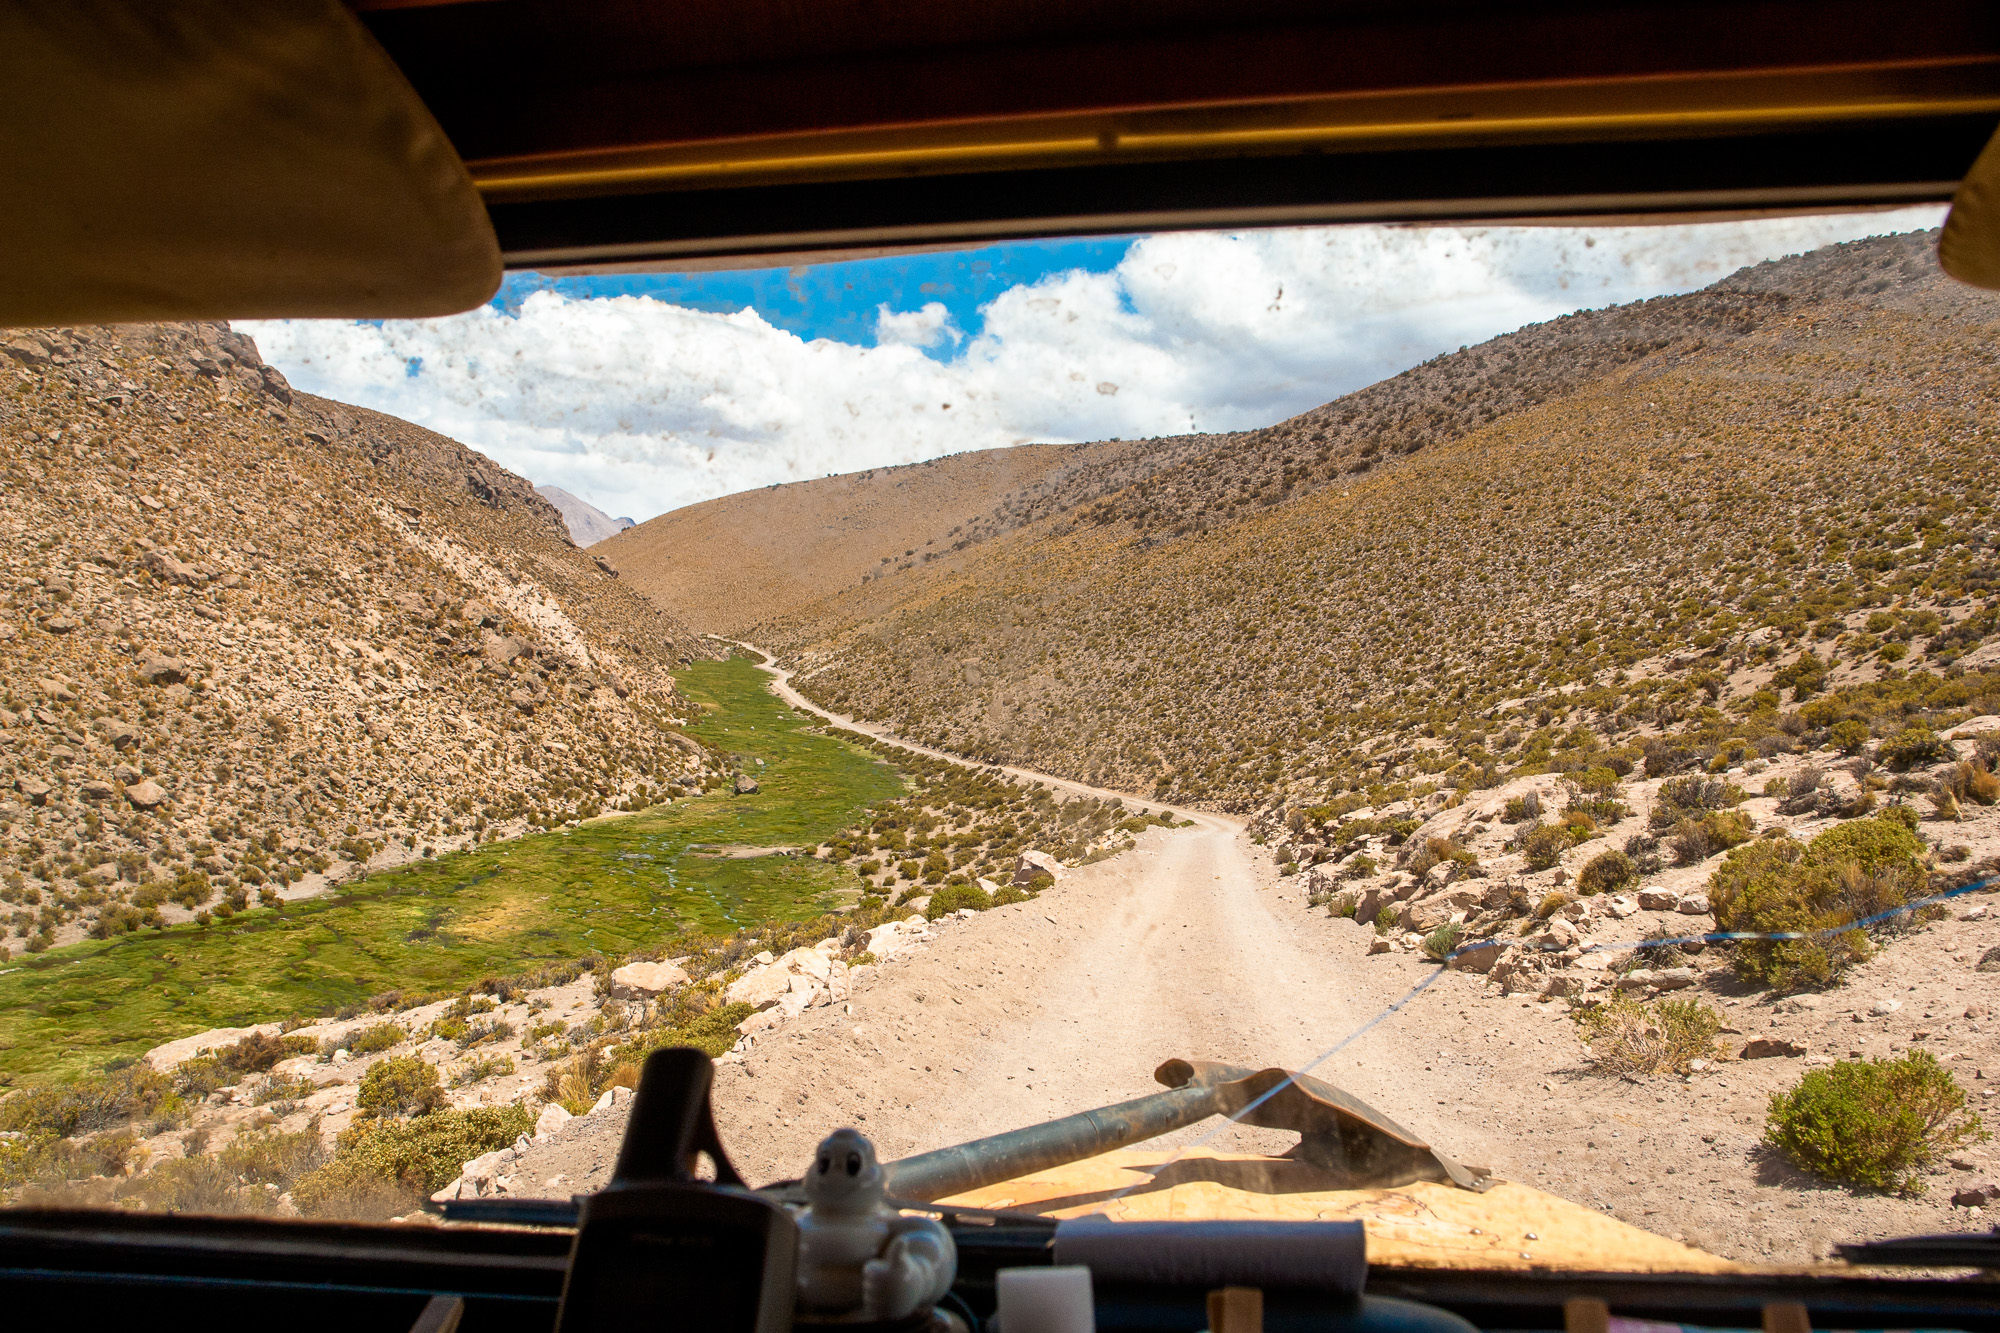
column 587, row 523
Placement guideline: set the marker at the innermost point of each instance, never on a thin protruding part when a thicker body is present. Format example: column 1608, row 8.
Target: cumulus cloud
column 641, row 406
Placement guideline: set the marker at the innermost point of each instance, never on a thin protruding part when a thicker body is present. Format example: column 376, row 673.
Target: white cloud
column 640, row 406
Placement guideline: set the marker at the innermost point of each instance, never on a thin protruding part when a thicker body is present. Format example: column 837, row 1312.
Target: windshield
column 1538, row 685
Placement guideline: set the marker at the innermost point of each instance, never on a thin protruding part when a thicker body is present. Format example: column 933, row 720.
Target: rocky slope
column 1693, row 516
column 252, row 638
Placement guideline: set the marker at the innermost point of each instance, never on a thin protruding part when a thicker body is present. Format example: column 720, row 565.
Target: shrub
column 87, row 1105
column 366, row 1041
column 1607, row 872
column 1848, row 737
column 195, row 1185
column 1522, row 809
column 385, row 1167
column 1626, row 1036
column 712, row 1032
column 402, row 1085
column 1436, row 852
column 1439, row 943
column 1695, row 840
column 1968, row 781
column 1847, row 873
column 1875, row 1123
column 1359, row 867
column 1913, row 746
column 1544, row 845
column 270, row 1157
column 1692, row 797
column 1385, row 921
column 953, row 897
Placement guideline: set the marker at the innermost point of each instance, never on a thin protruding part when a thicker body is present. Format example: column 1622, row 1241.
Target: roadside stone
column 1657, row 900
column 1976, row 1196
column 1675, row 978
column 1035, row 862
column 146, row 795
column 1765, row 1048
column 760, row 986
column 1478, row 957
column 1639, row 978
column 1883, row 1008
column 1380, row 944
column 1694, row 904
column 643, row 981
column 1621, row 906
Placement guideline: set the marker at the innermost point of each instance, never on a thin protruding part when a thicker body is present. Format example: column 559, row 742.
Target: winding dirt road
column 1177, row 948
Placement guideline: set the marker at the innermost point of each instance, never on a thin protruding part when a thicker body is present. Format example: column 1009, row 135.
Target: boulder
column 120, row 735
column 479, row 613
column 1976, row 1196
column 1639, row 978
column 1621, row 906
column 1478, row 957
column 1988, row 961
column 1658, row 900
column 1380, row 944
column 165, row 567
column 642, row 981
column 745, row 785
column 1675, row 978
column 37, row 793
column 1693, row 904
column 761, row 1021
column 759, row 986
column 96, row 790
column 156, row 668
column 1033, row 862
column 501, row 649
column 146, row 795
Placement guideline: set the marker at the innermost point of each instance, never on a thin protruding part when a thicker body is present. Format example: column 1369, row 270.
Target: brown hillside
column 728, row 563
column 250, row 635
column 1791, row 468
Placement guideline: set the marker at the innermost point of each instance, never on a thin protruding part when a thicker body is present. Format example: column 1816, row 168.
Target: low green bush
column 378, row 1037
column 104, row 1101
column 402, row 1085
column 1873, row 1123
column 272, row 1157
column 1440, row 942
column 953, row 897
column 1851, row 871
column 1913, row 746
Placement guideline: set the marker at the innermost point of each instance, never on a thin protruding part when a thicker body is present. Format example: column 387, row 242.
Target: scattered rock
column 147, row 795
column 1882, row 1008
column 96, row 790
column 34, row 789
column 1033, row 862
column 155, row 668
column 1990, row 960
column 1976, row 1196
column 1765, row 1048
column 1693, row 904
column 1479, row 957
column 1380, row 944
column 643, row 981
column 1658, row 900
column 549, row 1123
column 1675, row 978
column 746, row 785
column 166, row 567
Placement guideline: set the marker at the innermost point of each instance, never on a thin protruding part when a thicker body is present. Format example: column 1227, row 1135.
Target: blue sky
column 839, row 301
column 643, row 393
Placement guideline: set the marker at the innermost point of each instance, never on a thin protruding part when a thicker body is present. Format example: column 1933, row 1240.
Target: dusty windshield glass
column 1538, row 686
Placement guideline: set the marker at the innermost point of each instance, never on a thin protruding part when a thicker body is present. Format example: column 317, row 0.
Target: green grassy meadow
column 613, row 886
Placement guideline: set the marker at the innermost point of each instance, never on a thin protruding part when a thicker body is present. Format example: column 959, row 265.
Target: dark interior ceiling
column 627, row 132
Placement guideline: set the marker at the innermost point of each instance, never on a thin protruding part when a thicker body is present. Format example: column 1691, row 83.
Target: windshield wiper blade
column 1971, row 1249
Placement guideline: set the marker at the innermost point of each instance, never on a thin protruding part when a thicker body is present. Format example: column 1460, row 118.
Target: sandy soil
column 1193, row 945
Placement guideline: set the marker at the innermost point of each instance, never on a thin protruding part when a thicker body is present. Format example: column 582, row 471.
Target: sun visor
column 204, row 159
column 1969, row 250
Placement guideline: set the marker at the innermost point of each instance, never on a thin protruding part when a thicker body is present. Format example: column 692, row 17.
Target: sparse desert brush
column 1522, row 809
column 1970, row 781
column 271, row 1156
column 1848, row 873
column 1849, row 737
column 104, row 1101
column 955, row 897
column 1435, row 852
column 1873, row 1123
column 1628, row 1036
column 1607, row 872
column 1695, row 839
column 195, row 1185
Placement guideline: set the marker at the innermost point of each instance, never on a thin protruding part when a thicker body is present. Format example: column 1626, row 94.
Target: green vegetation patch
column 609, row 888
column 1850, row 872
column 1874, row 1123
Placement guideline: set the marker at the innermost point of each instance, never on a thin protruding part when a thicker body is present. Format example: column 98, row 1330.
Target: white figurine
column 858, row 1257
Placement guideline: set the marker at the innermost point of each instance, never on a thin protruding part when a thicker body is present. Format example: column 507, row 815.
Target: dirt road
column 1192, row 945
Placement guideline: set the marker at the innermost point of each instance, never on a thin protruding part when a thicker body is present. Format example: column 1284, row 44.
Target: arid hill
column 250, row 635
column 1689, row 515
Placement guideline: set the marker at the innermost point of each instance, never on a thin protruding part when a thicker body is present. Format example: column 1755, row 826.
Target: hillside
column 1692, row 515
column 726, row 564
column 252, row 637
column 585, row 522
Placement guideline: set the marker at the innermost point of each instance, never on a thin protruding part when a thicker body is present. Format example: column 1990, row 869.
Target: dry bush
column 1874, row 1123
column 1627, row 1036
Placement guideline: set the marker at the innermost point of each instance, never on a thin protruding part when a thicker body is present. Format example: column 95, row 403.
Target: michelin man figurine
column 859, row 1259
